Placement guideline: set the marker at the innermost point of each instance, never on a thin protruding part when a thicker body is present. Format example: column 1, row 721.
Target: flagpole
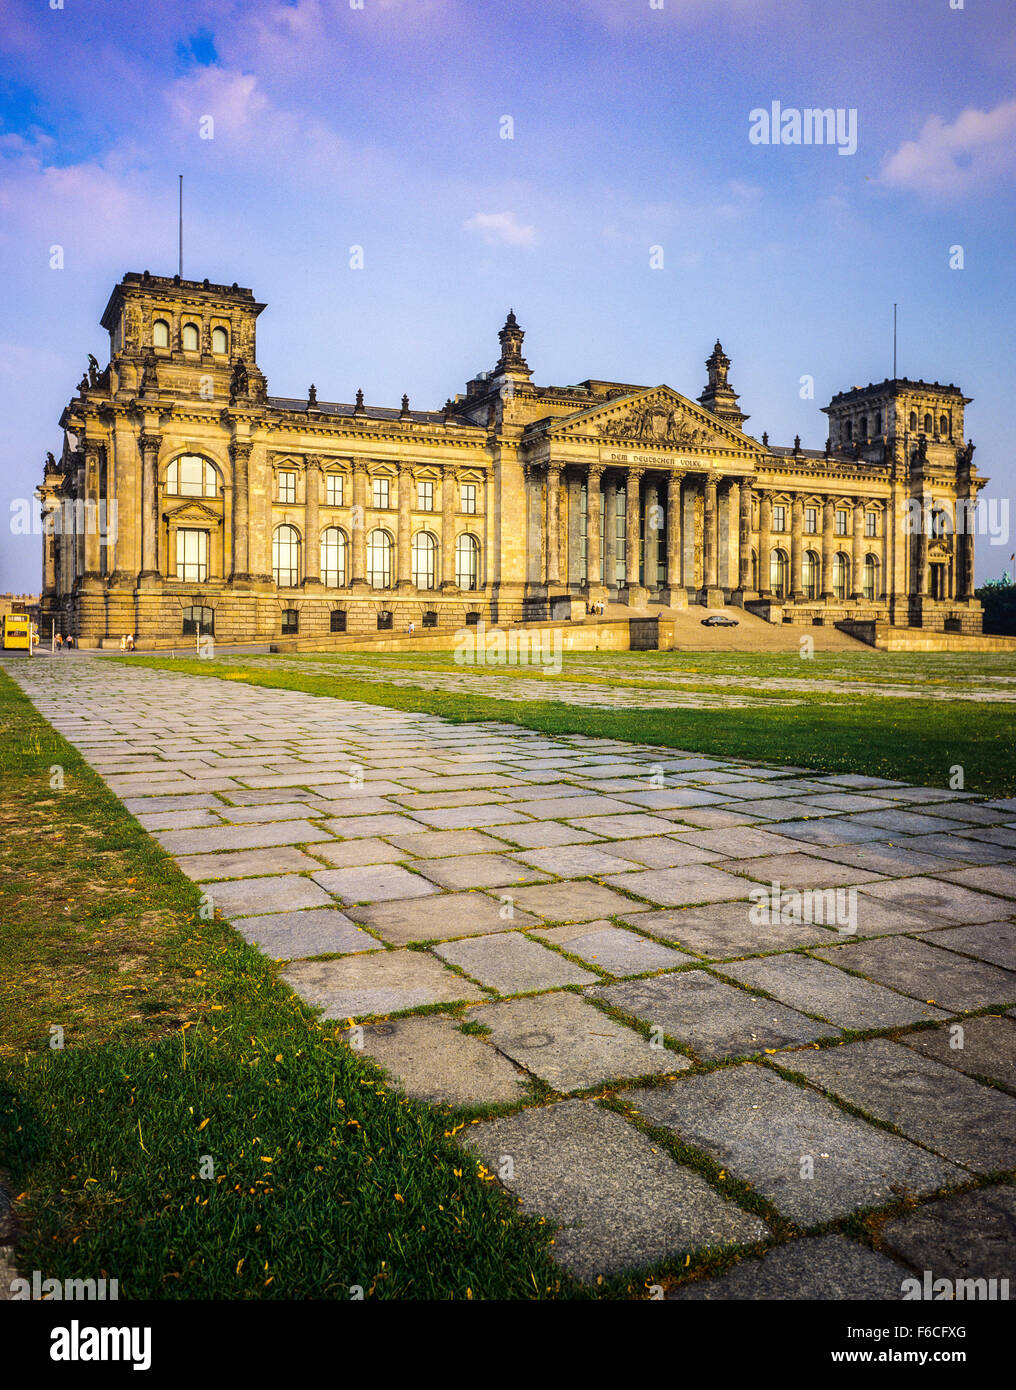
column 181, row 226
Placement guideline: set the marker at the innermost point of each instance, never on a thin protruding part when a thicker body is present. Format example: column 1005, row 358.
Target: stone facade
column 186, row 496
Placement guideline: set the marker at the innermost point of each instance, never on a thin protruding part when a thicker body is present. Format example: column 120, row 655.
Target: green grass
column 910, row 740
column 179, row 1042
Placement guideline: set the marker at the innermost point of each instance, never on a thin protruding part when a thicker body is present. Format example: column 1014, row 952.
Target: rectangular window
column 425, row 497
column 779, row 518
column 290, row 621
column 380, row 493
column 287, row 487
column 468, row 503
column 192, row 556
column 871, row 523
column 841, row 523
column 333, row 489
column 811, row 520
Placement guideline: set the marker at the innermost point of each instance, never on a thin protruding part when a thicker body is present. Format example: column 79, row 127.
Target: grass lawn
column 179, row 1043
column 907, row 739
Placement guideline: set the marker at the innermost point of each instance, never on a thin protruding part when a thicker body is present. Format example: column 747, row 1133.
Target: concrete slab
column 808, row 1269
column 926, row 972
column 315, row 932
column 814, row 987
column 430, row 1059
column 383, row 982
column 511, row 964
column 442, row 917
column 613, row 949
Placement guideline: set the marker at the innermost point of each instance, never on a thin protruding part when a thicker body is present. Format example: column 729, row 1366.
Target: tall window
column 811, row 520
column 928, row 424
column 848, row 431
column 198, row 618
column 841, row 523
column 878, row 422
column 191, row 476
column 333, row 557
column 220, row 342
column 840, row 564
column 337, row 620
column 379, row 559
column 424, row 560
column 425, row 496
column 778, row 573
column 467, row 562
column 943, row 425
column 468, row 498
column 779, row 518
column 192, row 556
column 620, row 535
column 809, row 574
column 333, row 489
column 191, row 337
column 286, row 557
column 913, row 420
column 287, row 486
column 290, row 621
column 862, row 428
column 870, row 573
column 160, row 333
column 871, row 523
column 380, row 493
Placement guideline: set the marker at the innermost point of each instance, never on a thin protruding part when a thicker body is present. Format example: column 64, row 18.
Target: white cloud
column 501, row 228
column 976, row 151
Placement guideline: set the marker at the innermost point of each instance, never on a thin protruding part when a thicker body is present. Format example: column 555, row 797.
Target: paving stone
column 662, row 852
column 439, row 918
column 800, row 871
column 624, row 827
column 463, row 818
column 380, row 983
column 266, row 797
column 691, row 883
column 761, row 1126
column 578, row 901
column 290, row 832
column 998, row 835
column 374, row 883
column 893, row 859
column 994, row 878
column 571, row 1044
column 941, row 1108
column 927, row 972
column 964, row 810
column 511, row 964
column 963, row 848
column 434, row 844
column 477, row 871
column 906, row 822
column 246, row 863
column 346, row 854
column 716, row 1019
column 811, row 1268
column 994, row 942
column 279, row 810
column 718, row 930
column 988, row 1048
column 359, row 827
column 361, row 806
column 613, row 949
column 178, row 820
column 576, row 861
column 288, row 893
column 829, row 830
column 339, row 788
column 937, row 899
column 432, row 1060
column 317, row 932
column 744, row 842
column 544, row 834
column 571, row 807
column 140, row 805
column 972, row 1236
column 818, row 988
column 709, row 819
column 622, row 1201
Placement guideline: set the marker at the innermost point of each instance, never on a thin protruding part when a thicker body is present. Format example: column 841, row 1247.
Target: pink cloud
column 977, row 151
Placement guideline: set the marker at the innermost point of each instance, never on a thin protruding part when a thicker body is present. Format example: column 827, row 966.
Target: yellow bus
column 17, row 632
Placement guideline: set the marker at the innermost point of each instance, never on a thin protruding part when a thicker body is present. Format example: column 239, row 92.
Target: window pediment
column 192, row 512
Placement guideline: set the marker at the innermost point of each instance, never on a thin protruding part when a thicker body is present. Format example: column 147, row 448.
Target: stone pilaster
column 312, row 521
column 633, row 533
column 710, row 529
column 651, row 535
column 744, row 538
column 359, row 525
column 93, row 563
column 150, row 446
column 553, row 575
column 449, row 483
column 765, row 541
column 674, row 566
column 593, row 525
column 797, row 549
column 239, row 454
column 828, row 543
column 857, row 551
column 610, row 533
column 403, row 560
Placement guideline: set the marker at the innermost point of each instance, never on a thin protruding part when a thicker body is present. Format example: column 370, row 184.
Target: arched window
column 220, row 341
column 190, row 475
column 286, row 557
column 198, row 618
column 928, row 425
column 841, row 567
column 862, row 428
column 160, row 333
column 778, row 573
column 870, row 577
column 878, row 422
column 379, row 560
column 943, row 425
column 809, row 574
column 848, row 431
column 913, row 420
column 333, row 557
column 467, row 562
column 190, row 338
column 424, row 560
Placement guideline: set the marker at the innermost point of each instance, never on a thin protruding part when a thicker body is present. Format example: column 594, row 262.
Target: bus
column 19, row 632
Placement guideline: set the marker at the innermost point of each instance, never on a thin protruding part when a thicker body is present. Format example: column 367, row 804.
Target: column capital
column 149, row 441
column 594, row 470
column 312, row 462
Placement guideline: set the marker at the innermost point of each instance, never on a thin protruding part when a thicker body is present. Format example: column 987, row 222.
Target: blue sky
column 381, row 127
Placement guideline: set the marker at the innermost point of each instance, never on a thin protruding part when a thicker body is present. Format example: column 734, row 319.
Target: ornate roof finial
column 358, row 408
column 404, row 412
column 797, row 443
column 510, row 338
column 312, row 397
column 719, row 397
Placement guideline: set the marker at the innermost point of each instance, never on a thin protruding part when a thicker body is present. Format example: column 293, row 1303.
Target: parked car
column 719, row 620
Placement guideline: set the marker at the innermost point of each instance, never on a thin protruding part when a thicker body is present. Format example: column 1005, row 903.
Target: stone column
column 965, row 547
column 730, row 568
column 710, row 530
column 921, row 549
column 448, row 499
column 765, row 538
column 651, row 535
column 239, row 455
column 744, row 538
column 150, row 446
column 797, row 549
column 312, row 521
column 553, row 523
column 593, row 522
column 857, row 551
column 828, row 541
column 359, row 524
column 610, row 533
column 93, row 566
column 633, row 528
column 674, row 566
column 403, row 551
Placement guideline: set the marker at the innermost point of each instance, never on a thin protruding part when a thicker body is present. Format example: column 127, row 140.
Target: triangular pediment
column 192, row 511
column 657, row 416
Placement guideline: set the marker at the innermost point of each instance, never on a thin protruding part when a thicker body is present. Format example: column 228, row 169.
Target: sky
column 587, row 162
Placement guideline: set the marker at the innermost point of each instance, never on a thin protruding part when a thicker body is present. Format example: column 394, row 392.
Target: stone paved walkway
column 582, row 907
